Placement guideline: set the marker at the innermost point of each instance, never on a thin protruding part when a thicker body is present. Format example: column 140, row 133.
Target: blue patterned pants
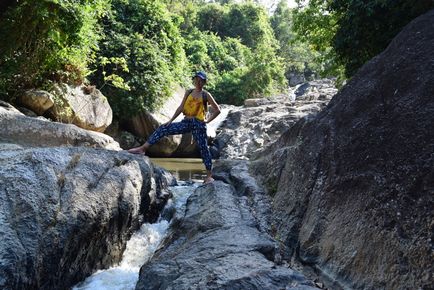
column 196, row 127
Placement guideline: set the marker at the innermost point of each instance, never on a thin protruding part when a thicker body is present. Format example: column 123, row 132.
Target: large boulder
column 353, row 187
column 218, row 245
column 84, row 106
column 66, row 212
column 38, row 132
column 145, row 123
column 38, row 101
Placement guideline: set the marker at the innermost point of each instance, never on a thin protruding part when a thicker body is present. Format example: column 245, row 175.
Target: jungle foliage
column 135, row 51
column 47, row 40
column 140, row 56
column 350, row 32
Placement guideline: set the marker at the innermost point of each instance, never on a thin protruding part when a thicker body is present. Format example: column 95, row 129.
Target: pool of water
column 184, row 169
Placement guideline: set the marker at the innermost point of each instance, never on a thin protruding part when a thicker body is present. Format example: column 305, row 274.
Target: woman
column 194, row 107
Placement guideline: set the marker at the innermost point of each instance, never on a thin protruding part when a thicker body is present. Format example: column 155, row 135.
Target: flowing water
column 139, row 250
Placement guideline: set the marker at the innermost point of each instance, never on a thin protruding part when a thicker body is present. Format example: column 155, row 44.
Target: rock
column 34, row 132
column 255, row 102
column 27, row 112
column 83, row 106
column 248, row 130
column 301, row 89
column 145, row 123
column 353, row 186
column 66, row 212
column 128, row 140
column 125, row 139
column 8, row 108
column 217, row 245
column 187, row 148
column 296, row 79
column 38, row 101
column 314, row 90
column 10, row 147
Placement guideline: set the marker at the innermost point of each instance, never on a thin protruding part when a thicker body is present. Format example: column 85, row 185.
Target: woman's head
column 199, row 79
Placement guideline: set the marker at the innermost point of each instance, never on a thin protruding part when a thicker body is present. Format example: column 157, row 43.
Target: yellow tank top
column 194, row 108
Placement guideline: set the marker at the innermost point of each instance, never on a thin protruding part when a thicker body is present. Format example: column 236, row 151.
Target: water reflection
column 185, row 169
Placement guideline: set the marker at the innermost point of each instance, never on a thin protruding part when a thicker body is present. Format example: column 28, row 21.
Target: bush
column 349, row 33
column 45, row 41
column 144, row 35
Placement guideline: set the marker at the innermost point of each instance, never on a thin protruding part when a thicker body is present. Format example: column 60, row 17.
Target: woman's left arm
column 215, row 107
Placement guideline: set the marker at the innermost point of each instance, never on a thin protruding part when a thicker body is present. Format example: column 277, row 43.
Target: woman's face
column 197, row 81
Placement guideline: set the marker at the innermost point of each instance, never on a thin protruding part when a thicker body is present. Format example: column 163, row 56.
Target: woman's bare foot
column 208, row 179
column 137, row 150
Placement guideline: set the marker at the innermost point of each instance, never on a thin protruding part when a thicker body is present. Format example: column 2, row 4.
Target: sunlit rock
column 38, row 101
column 84, row 106
column 36, row 132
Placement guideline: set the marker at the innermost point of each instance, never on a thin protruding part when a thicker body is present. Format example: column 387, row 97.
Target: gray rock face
column 83, row 106
column 353, row 187
column 65, row 212
column 322, row 89
column 247, row 130
column 35, row 132
column 296, row 79
column 219, row 244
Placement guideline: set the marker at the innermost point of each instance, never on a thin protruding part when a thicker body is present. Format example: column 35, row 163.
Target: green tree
column 351, row 32
column 247, row 65
column 145, row 35
column 367, row 27
column 315, row 25
column 247, row 21
column 47, row 40
column 298, row 57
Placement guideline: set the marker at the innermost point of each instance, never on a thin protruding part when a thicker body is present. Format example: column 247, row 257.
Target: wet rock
column 218, row 245
column 35, row 132
column 66, row 212
column 353, row 186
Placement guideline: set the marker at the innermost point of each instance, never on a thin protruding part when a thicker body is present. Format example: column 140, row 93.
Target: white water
column 212, row 127
column 139, row 250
